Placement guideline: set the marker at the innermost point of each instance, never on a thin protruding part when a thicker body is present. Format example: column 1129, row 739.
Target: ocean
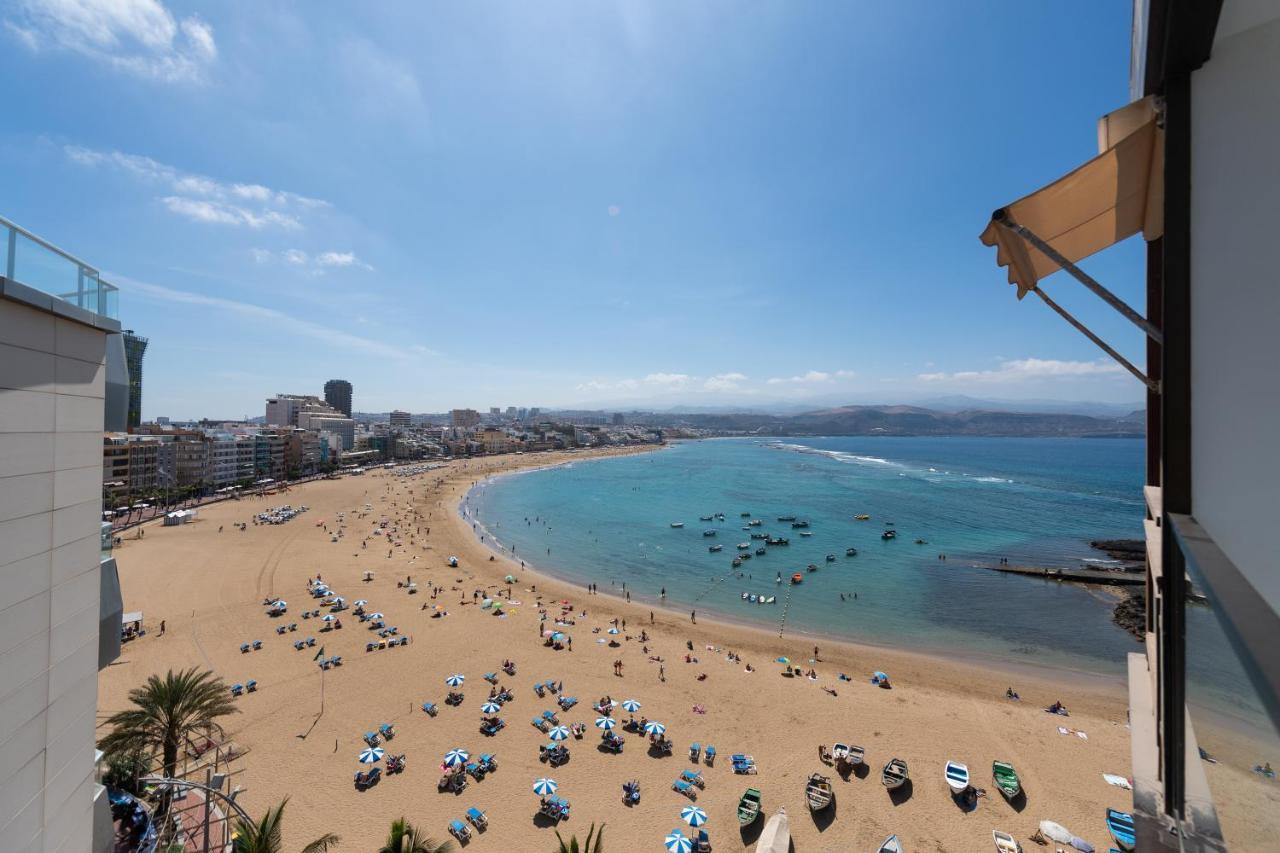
column 976, row 500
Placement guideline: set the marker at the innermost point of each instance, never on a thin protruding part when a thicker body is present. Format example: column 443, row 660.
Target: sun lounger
column 477, row 818
column 430, row 708
column 553, row 686
column 280, row 629
column 306, row 614
column 474, row 770
column 491, row 677
column 541, row 724
column 460, row 831
column 695, row 751
column 336, row 660
column 567, row 702
column 744, row 764
column 237, row 689
column 366, row 778
column 293, row 626
column 488, row 761
column 244, row 647
column 550, row 717
column 387, row 731
column 257, row 644
column 251, row 685
column 683, row 787
column 693, row 777
column 492, row 727
column 371, row 738
column 540, row 689
column 709, row 755
column 631, row 792
column 311, row 641
column 704, row 842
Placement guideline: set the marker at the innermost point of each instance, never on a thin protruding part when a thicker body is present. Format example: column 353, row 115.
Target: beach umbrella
column 693, row 816
column 511, row 579
column 542, row 787
column 606, row 723
column 454, row 757
column 784, row 660
column 490, row 708
column 370, row 755
column 630, row 705
column 327, row 618
column 677, row 842
column 559, row 733
column 558, row 637
column 613, row 631
column 654, row 727
column 280, row 602
column 488, row 602
column 375, row 616
column 455, row 680
column 360, row 602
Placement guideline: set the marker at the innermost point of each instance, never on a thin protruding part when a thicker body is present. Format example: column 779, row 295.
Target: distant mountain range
column 914, row 420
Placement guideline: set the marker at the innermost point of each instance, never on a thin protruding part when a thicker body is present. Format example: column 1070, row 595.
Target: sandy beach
column 208, row 580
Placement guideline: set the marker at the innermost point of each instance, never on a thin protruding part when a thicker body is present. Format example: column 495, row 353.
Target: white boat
column 957, row 777
column 891, row 845
column 773, row 599
column 1005, row 843
column 776, row 835
column 847, row 754
column 677, row 524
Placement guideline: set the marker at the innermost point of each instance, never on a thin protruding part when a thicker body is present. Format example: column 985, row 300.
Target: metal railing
column 37, row 263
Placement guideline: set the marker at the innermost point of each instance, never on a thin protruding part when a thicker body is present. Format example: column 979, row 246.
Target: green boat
column 749, row 807
column 1006, row 779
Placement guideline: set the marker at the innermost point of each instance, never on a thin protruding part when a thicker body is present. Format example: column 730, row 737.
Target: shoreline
column 1023, row 669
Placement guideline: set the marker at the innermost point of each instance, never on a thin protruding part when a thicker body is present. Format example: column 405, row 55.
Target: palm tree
column 572, row 845
column 264, row 836
column 166, row 711
column 404, row 837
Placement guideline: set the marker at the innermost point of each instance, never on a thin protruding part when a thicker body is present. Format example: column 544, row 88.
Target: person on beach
column 693, row 617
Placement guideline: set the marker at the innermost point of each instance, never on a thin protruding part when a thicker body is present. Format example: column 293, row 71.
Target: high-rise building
column 337, row 393
column 400, row 419
column 135, row 348
column 60, row 600
column 465, row 418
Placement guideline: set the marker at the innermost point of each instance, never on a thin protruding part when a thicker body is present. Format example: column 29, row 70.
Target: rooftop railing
column 37, row 263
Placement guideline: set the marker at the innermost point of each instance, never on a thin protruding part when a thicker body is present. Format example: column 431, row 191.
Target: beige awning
column 1115, row 195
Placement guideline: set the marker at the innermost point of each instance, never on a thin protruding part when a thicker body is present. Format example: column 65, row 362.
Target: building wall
column 52, row 384
column 1235, row 301
column 337, row 393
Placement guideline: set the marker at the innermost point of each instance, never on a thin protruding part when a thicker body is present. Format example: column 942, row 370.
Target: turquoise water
column 1033, row 501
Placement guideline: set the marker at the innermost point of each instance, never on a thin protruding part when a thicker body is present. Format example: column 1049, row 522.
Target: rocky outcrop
column 1131, row 614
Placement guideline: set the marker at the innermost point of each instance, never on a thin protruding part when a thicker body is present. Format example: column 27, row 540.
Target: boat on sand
column 776, row 835
column 957, row 777
column 749, row 807
column 1005, row 843
column 818, row 793
column 847, row 753
column 891, row 845
column 894, row 774
column 1006, row 779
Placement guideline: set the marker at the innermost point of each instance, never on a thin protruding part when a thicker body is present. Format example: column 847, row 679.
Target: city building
column 619, row 419
column 337, row 393
column 400, row 419
column 334, row 423
column 465, row 418
column 1189, row 165
column 63, row 380
column 135, row 347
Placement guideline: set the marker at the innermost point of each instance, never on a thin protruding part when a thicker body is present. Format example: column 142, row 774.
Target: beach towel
column 1063, row 730
column 1118, row 781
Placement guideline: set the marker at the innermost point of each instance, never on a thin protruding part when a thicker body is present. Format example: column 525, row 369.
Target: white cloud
column 725, row 382
column 316, row 264
column 813, row 377
column 279, row 321
column 614, row 210
column 205, row 199
column 676, row 380
column 1029, row 370
column 140, row 37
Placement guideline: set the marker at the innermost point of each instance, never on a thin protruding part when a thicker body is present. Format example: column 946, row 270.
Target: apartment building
column 63, row 380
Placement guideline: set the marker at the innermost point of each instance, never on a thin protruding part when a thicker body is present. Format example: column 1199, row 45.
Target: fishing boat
column 818, row 793
column 889, row 534
column 797, row 578
column 862, row 517
column 715, row 548
column 811, row 567
column 957, row 777
column 1006, row 779
column 831, row 558
column 799, row 525
column 742, row 546
column 846, row 754
column 806, row 532
column 776, row 835
column 745, row 555
column 777, row 540
column 745, row 514
column 894, row 774
column 749, row 807
column 705, row 517
column 759, row 535
column 773, row 599
column 786, row 518
column 708, row 533
column 737, row 561
column 761, row 551
column 755, row 522
column 891, row 845
column 677, row 524
column 921, row 542
column 1005, row 843
column 1120, row 825
column 719, row 516
column 851, row 552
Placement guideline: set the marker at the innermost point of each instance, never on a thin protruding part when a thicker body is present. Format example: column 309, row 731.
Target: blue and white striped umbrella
column 630, row 705
column 455, row 680
column 654, row 727
column 375, row 616
column 454, row 757
column 370, row 755
column 542, row 787
column 613, row 631
column 490, row 708
column 558, row 636
column 693, row 816
column 360, row 602
column 606, row 723
column 677, row 842
column 558, row 733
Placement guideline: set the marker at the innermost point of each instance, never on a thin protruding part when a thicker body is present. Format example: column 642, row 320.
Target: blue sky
column 551, row 203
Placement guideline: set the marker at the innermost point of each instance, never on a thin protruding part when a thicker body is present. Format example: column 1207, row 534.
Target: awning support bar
column 1084, row 330
column 1003, row 218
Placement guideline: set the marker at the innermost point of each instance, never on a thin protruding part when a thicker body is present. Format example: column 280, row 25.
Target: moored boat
column 818, row 793
column 761, row 551
column 862, row 517
column 851, row 552
column 708, row 533
column 705, row 517
column 737, row 561
column 894, row 774
column 892, row 845
column 1006, row 779
column 749, row 807
column 1120, row 825
column 831, row 558
column 799, row 525
column 806, row 532
column 715, row 548
column 677, row 524
column 797, row 578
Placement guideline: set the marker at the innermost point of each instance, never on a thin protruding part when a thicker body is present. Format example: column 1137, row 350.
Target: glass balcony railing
column 41, row 265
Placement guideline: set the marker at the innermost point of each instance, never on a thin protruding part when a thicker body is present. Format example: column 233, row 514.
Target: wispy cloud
column 669, row 381
column 813, row 377
column 204, row 199
column 279, row 321
column 140, row 37
column 1029, row 370
column 725, row 382
column 316, row 264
